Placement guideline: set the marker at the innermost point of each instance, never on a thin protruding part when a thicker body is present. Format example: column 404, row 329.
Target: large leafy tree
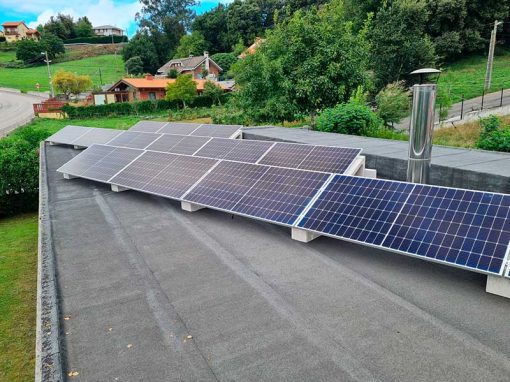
column 142, row 46
column 69, row 83
column 191, row 44
column 166, row 21
column 213, row 26
column 182, row 90
column 312, row 61
column 399, row 42
column 61, row 26
column 83, row 27
column 244, row 21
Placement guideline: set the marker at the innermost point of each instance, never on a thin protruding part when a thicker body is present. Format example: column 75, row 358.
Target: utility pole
column 52, row 92
column 490, row 59
column 100, row 77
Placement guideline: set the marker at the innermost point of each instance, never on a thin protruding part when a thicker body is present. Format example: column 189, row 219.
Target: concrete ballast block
column 498, row 285
column 69, row 176
column 116, row 188
column 302, row 235
column 191, row 207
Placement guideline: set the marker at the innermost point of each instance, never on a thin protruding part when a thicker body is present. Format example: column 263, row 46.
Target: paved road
column 15, row 110
column 490, row 101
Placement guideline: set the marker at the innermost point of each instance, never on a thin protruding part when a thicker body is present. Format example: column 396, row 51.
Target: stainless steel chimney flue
column 420, row 133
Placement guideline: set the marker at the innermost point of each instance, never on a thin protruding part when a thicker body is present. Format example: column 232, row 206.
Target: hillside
column 111, row 66
column 466, row 76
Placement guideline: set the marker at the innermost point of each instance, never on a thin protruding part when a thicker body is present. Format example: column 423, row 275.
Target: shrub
column 393, row 102
column 97, row 40
column 494, row 136
column 348, row 118
column 19, row 171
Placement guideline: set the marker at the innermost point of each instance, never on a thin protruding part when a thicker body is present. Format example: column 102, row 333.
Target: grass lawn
column 18, row 289
column 8, row 55
column 467, row 76
column 112, row 69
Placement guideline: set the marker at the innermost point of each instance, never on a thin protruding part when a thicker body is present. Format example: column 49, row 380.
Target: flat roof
column 137, row 276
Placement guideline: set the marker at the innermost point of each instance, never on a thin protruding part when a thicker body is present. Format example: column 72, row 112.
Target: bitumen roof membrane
column 150, row 292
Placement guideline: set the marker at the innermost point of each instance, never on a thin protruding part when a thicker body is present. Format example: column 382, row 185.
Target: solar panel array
column 182, row 128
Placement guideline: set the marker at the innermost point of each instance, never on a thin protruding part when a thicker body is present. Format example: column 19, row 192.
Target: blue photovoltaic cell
column 226, row 184
column 133, row 139
column 99, row 162
column 178, row 144
column 356, row 208
column 147, row 126
column 467, row 228
column 222, row 131
column 281, row 194
column 286, row 154
column 179, row 128
column 329, row 159
column 241, row 150
column 217, row 148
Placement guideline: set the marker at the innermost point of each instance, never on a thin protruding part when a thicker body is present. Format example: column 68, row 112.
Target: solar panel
column 286, row 154
column 281, row 194
column 179, row 144
column 218, row 148
column 99, row 162
column 356, row 208
column 248, row 151
column 221, row 131
column 134, row 140
column 467, row 228
column 329, row 159
column 311, row 157
column 96, row 136
column 163, row 174
column 68, row 134
column 226, row 184
column 179, row 128
column 147, row 126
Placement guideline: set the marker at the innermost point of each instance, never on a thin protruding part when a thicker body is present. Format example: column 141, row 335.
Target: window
column 152, row 96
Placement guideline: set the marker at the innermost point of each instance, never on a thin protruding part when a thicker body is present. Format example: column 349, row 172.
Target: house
column 108, row 30
column 253, row 47
column 194, row 65
column 142, row 89
column 18, row 30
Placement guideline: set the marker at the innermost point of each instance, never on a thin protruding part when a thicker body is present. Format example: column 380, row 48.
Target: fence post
column 483, row 96
column 501, row 98
column 462, row 107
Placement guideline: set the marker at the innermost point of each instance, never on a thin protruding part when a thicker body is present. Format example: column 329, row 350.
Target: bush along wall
column 132, row 108
column 19, row 171
column 97, row 40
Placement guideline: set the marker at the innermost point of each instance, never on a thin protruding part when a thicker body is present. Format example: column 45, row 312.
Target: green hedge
column 348, row 118
column 97, row 40
column 19, row 171
column 133, row 108
column 495, row 135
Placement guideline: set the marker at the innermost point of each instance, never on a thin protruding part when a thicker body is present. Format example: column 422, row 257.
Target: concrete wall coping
column 48, row 361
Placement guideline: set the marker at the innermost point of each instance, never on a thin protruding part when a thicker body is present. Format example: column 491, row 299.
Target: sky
column 120, row 13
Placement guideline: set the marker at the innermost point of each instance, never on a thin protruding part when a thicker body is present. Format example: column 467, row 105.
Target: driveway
column 15, row 110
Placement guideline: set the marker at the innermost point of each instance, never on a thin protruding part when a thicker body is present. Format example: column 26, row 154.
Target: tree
column 165, row 21
column 83, row 27
column 225, row 61
column 28, row 51
column 393, row 102
column 244, row 21
column 182, row 90
column 213, row 91
column 213, row 26
column 399, row 42
column 172, row 73
column 312, row 61
column 191, row 44
column 141, row 46
column 51, row 44
column 69, row 83
column 61, row 26
column 134, row 65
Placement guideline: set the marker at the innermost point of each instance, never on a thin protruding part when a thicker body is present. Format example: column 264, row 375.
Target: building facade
column 200, row 67
column 108, row 30
column 18, row 30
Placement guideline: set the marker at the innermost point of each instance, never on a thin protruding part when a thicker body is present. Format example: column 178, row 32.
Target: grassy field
column 111, row 66
column 18, row 274
column 8, row 55
column 466, row 77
